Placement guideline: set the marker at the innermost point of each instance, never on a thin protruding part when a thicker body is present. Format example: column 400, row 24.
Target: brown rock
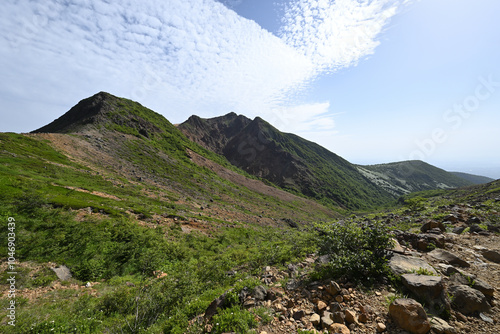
column 351, row 317
column 333, row 288
column 363, row 318
column 338, row 329
column 315, row 319
column 410, row 316
column 321, row 306
column 432, row 224
column 381, row 327
column 396, row 247
column 339, row 299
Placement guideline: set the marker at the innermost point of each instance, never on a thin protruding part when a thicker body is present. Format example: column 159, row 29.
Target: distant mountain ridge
column 475, row 179
column 404, row 177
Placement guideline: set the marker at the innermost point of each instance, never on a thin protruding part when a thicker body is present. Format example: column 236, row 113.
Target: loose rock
column 338, row 329
column 409, row 315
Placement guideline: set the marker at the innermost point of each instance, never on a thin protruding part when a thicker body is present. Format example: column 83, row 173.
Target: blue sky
column 374, row 81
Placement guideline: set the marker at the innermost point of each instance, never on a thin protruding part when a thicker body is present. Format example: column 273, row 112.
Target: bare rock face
column 400, row 264
column 468, row 300
column 444, row 255
column 410, row 316
column 427, row 288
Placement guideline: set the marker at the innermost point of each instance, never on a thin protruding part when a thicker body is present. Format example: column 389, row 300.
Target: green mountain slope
column 121, row 137
column 475, row 179
column 286, row 160
column 404, row 177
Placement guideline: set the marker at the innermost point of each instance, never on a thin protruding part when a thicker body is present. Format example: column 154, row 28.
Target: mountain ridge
column 404, row 177
column 292, row 163
column 257, row 148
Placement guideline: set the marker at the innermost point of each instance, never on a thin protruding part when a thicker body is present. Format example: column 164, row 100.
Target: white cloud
column 183, row 57
column 336, row 34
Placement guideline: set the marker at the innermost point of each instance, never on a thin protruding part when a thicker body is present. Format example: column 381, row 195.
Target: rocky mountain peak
column 87, row 112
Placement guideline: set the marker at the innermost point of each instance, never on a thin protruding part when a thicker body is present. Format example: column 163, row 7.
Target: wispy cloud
column 182, row 57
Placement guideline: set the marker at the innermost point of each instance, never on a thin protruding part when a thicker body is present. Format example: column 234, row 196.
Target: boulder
column 410, row 316
column 468, row 300
column 321, row 306
column 446, row 256
column 431, row 225
column 426, row 288
column 401, row 264
column 451, row 218
column 492, row 255
column 396, row 247
column 62, row 272
column 463, row 278
column 458, row 230
column 299, row 315
column 484, row 287
column 339, row 317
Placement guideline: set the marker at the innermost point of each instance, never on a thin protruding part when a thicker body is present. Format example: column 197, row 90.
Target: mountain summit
column 111, row 112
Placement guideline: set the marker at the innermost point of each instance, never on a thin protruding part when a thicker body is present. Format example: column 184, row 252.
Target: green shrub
column 355, row 251
column 415, row 203
column 233, row 319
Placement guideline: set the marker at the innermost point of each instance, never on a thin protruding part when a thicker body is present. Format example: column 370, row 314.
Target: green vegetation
column 111, row 248
column 356, row 251
column 422, row 271
column 415, row 203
